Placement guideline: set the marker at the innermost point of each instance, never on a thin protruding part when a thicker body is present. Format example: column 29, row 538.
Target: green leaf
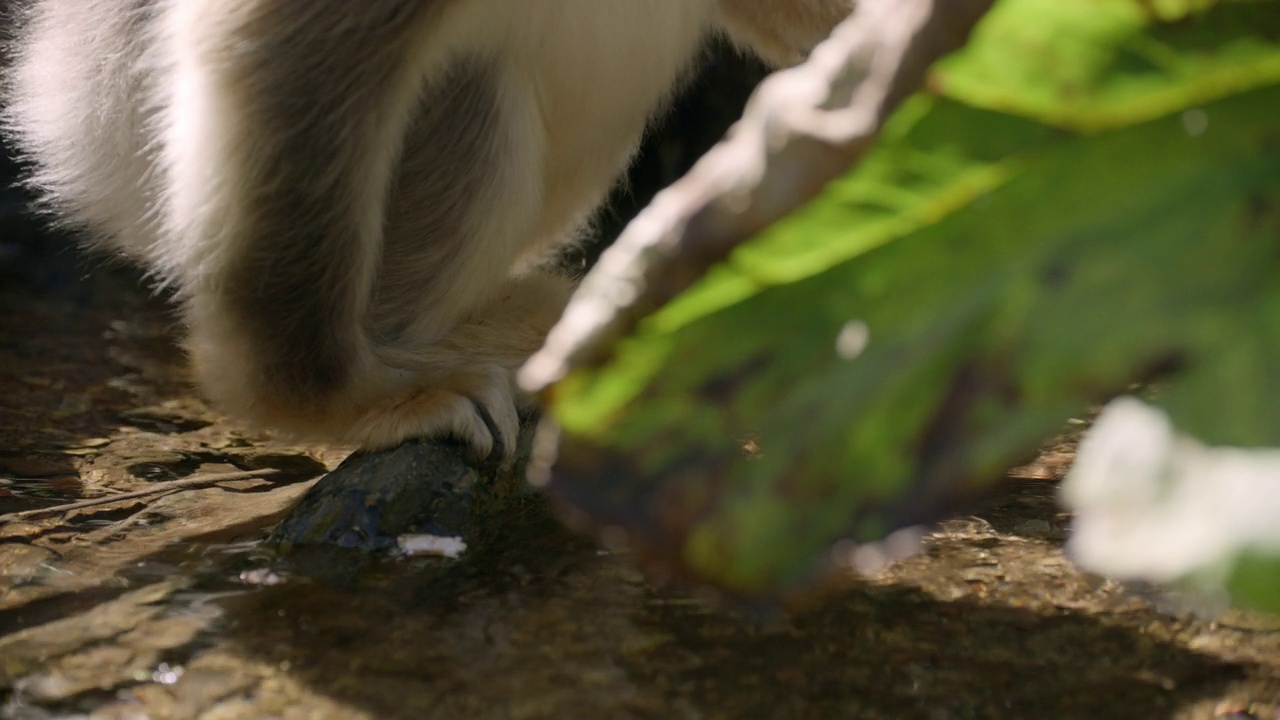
column 1001, row 273
column 1093, row 65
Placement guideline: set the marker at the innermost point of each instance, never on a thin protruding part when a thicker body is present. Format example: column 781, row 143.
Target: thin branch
column 802, row 128
column 157, row 489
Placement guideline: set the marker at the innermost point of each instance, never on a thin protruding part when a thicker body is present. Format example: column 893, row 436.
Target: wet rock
column 17, row 530
column 20, row 562
column 422, row 487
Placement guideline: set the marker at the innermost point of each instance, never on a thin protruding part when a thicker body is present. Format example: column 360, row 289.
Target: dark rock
column 422, row 486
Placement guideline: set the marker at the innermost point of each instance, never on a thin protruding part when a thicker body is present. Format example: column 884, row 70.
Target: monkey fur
column 354, row 201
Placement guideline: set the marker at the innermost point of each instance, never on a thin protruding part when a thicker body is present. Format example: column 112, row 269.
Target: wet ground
column 170, row 606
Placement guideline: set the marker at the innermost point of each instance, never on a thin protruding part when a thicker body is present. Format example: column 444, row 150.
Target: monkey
column 354, row 203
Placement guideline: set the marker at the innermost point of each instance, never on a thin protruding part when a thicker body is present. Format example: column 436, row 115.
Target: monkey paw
column 478, row 408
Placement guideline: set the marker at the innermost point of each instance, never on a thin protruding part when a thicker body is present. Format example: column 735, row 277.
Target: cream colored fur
column 354, row 200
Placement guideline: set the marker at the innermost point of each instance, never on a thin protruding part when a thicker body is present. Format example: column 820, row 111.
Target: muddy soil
column 170, row 605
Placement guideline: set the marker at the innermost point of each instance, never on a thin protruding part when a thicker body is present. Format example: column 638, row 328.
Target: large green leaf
column 944, row 307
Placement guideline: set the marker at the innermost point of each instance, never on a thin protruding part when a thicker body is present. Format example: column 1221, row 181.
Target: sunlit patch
column 265, row 577
column 853, row 339
column 1195, row 122
column 167, row 674
column 868, row 559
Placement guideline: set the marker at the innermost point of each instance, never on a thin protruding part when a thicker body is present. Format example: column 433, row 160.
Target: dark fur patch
column 316, row 84
column 448, row 159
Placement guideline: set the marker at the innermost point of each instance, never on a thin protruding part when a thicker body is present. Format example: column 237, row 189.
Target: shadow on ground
column 543, row 625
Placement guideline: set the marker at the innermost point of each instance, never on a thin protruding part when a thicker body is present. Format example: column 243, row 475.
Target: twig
column 157, row 489
column 803, row 127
